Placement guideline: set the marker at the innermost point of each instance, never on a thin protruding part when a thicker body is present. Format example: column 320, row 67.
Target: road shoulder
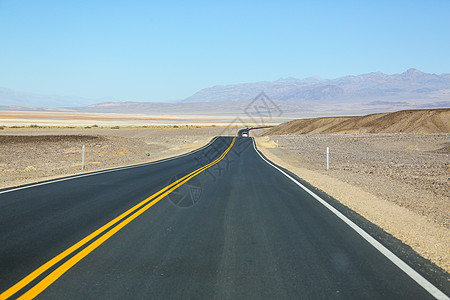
column 426, row 238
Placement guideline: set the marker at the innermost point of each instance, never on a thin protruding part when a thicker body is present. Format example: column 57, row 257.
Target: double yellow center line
column 122, row 221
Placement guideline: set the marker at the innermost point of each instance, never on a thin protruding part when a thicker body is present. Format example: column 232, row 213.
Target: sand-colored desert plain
column 398, row 181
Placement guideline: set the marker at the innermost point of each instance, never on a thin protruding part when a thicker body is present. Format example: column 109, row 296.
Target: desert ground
column 398, row 181
column 83, row 119
column 30, row 154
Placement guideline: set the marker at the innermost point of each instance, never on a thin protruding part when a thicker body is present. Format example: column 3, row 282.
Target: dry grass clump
column 30, row 169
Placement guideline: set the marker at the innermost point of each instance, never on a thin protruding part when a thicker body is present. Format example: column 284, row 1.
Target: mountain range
column 314, row 96
column 412, row 84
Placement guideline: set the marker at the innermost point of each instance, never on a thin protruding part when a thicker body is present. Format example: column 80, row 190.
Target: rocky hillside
column 406, row 121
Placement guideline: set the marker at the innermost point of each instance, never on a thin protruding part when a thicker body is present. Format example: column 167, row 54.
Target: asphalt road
column 240, row 229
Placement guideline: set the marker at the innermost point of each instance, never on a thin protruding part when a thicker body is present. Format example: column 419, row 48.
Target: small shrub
column 115, row 127
column 34, row 126
column 95, row 126
column 30, row 169
column 1, row 127
column 175, row 126
column 147, row 153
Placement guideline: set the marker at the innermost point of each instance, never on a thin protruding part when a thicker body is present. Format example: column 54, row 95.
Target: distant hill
column 410, row 85
column 10, row 97
column 406, row 121
column 278, row 90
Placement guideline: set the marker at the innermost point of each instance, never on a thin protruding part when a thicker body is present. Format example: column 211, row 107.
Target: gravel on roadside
column 411, row 170
column 30, row 155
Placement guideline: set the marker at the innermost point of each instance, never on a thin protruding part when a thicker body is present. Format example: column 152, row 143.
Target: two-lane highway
column 219, row 223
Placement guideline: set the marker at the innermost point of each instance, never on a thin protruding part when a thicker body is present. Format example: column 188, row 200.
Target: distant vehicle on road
column 244, row 132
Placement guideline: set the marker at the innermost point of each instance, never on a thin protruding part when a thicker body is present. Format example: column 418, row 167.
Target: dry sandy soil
column 31, row 154
column 398, row 181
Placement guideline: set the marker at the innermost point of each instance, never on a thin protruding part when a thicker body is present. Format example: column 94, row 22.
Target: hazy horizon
column 32, row 99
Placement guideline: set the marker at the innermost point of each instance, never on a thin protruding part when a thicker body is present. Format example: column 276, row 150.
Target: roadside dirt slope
column 406, row 121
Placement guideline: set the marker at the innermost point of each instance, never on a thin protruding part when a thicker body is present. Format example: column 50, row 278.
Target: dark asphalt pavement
column 239, row 230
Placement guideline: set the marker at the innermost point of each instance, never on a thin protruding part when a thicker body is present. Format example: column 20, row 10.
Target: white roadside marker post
column 277, row 143
column 82, row 158
column 328, row 158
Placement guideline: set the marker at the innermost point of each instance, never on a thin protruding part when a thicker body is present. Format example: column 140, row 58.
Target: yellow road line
column 33, row 292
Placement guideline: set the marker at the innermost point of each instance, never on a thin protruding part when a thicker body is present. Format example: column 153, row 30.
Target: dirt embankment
column 406, row 121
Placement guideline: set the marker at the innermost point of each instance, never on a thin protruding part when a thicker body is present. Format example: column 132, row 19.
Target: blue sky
column 167, row 50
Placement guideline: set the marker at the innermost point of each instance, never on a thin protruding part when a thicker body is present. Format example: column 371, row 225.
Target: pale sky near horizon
column 167, row 50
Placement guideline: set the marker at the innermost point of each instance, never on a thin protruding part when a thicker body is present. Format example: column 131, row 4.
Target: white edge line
column 105, row 171
column 434, row 291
